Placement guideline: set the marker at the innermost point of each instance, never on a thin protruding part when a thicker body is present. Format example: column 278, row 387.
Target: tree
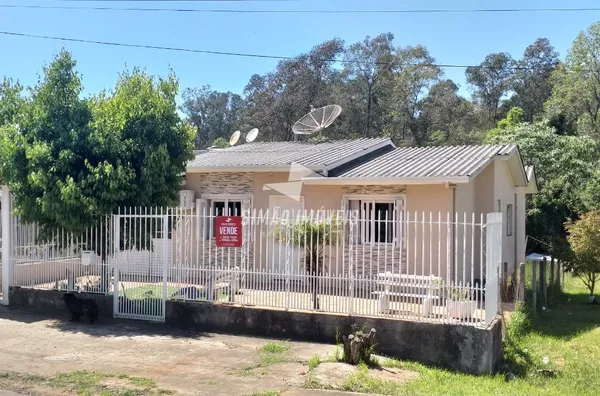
column 492, row 81
column 72, row 160
column 452, row 117
column 220, row 142
column 278, row 99
column 414, row 74
column 513, row 118
column 214, row 114
column 576, row 85
column 312, row 235
column 368, row 72
column 532, row 84
column 564, row 165
column 584, row 238
column 11, row 101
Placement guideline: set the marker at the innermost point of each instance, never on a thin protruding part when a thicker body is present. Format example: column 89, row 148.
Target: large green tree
column 11, row 101
column 584, row 238
column 214, row 114
column 492, row 82
column 575, row 97
column 71, row 160
column 531, row 81
column 564, row 166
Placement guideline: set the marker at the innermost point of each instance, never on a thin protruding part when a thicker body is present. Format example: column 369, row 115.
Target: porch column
column 202, row 214
column 6, row 244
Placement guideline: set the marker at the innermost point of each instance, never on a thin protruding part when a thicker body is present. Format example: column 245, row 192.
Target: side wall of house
column 504, row 195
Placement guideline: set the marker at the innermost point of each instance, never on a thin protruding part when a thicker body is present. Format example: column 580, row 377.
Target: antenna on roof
column 235, row 136
column 316, row 120
column 252, row 135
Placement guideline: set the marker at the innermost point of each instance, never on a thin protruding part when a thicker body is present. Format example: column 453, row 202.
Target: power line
column 267, row 11
column 224, row 53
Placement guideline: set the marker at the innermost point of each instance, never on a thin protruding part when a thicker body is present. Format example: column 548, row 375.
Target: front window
column 376, row 221
column 223, row 207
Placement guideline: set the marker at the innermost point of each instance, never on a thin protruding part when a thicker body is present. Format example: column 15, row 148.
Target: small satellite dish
column 235, row 136
column 251, row 136
column 317, row 120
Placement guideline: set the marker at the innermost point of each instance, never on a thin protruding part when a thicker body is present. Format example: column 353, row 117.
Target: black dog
column 79, row 307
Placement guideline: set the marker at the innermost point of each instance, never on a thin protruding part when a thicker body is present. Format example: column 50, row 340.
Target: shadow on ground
column 569, row 316
column 105, row 327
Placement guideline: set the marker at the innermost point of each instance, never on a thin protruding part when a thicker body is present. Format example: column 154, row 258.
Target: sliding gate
column 142, row 252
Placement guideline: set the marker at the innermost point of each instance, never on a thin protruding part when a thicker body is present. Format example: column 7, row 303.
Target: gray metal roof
column 282, row 154
column 450, row 161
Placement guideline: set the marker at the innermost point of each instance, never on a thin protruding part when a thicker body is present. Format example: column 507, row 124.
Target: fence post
column 6, row 244
column 351, row 268
column 558, row 282
column 543, row 283
column 551, row 284
column 534, row 286
column 521, row 286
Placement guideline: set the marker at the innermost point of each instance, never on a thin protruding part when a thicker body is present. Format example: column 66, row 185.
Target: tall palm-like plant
column 312, row 234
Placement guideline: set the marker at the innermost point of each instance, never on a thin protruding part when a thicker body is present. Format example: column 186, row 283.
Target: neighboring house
column 379, row 181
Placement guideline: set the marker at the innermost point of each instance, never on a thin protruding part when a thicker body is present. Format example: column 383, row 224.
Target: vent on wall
column 186, row 199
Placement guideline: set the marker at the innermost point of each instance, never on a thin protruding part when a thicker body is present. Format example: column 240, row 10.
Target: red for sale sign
column 228, row 231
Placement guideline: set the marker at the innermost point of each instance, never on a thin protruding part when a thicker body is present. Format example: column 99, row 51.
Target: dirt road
column 184, row 362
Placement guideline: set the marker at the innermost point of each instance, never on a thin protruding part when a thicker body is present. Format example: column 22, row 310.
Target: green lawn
column 155, row 291
column 147, row 291
column 568, row 335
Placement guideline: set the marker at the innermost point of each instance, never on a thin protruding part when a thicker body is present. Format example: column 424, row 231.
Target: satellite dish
column 251, row 136
column 317, row 120
column 235, row 136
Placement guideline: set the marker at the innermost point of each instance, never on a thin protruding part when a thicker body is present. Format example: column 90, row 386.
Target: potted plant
column 459, row 302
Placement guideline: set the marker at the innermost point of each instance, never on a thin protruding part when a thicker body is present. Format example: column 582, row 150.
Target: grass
column 564, row 339
column 273, row 353
column 274, row 348
column 270, row 353
column 88, row 383
column 147, row 291
column 267, row 393
column 155, row 291
column 314, row 362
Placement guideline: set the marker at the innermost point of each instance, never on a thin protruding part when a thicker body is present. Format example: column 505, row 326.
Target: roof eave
column 384, row 180
column 516, row 167
column 207, row 169
column 532, row 185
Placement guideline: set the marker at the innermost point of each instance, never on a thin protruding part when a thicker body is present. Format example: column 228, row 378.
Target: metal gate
column 141, row 254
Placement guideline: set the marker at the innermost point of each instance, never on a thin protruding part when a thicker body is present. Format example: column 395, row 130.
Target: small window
column 509, row 219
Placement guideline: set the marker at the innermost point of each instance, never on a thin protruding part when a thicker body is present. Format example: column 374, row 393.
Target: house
column 383, row 184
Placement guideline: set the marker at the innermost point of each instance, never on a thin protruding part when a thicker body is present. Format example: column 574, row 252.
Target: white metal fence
column 416, row 266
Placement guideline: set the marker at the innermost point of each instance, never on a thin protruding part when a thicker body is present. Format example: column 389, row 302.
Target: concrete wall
column 460, row 348
column 50, row 302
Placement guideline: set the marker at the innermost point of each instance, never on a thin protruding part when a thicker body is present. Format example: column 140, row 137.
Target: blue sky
column 450, row 38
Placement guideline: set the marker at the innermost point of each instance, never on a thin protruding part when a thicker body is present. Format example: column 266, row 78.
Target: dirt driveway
column 183, row 362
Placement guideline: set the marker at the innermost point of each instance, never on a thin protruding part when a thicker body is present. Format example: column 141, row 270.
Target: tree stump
column 358, row 347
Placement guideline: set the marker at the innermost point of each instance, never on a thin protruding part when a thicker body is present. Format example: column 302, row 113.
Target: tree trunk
column 358, row 347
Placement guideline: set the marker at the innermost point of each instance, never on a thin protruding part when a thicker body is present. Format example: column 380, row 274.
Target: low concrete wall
column 459, row 348
column 50, row 302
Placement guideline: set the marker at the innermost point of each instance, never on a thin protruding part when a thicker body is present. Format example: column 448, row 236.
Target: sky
column 460, row 38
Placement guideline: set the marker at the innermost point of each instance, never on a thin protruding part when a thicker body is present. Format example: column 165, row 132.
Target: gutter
column 384, row 180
